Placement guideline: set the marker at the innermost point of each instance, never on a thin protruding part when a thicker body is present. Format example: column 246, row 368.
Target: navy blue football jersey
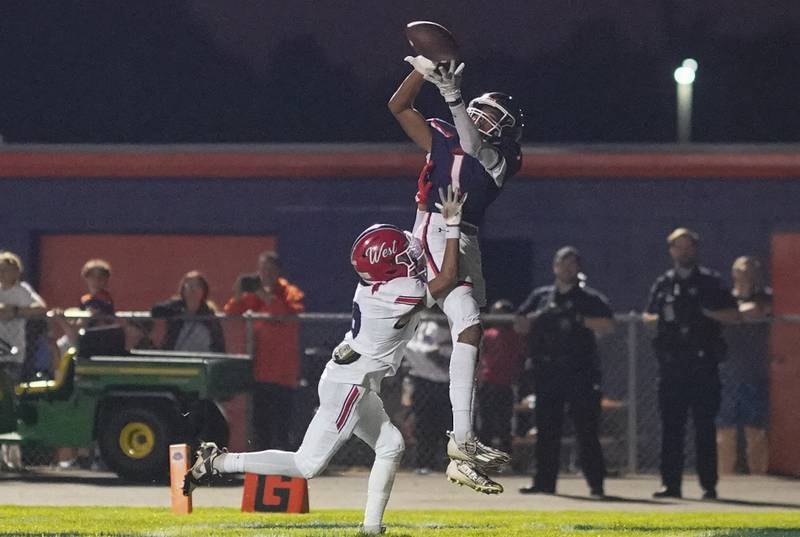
column 452, row 167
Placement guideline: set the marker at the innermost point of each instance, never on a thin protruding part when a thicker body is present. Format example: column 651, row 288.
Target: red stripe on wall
column 347, row 161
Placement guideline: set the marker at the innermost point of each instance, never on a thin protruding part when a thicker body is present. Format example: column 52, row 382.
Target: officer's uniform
column 566, row 369
column 689, row 346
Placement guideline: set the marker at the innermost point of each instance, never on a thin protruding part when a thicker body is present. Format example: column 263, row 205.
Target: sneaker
column 203, row 471
column 462, row 473
column 476, row 453
column 710, row 494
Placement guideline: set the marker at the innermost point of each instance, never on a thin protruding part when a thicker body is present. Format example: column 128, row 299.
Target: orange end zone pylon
column 274, row 494
column 178, row 466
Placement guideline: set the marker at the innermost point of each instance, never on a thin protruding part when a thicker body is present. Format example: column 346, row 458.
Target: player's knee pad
column 461, row 310
column 390, row 444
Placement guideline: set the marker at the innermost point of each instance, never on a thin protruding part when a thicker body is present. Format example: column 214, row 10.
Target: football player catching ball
column 476, row 155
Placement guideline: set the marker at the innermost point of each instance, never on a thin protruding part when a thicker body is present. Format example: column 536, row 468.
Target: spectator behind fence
column 689, row 302
column 745, row 381
column 97, row 302
column 97, row 275
column 191, row 321
column 563, row 321
column 501, row 359
column 428, row 356
column 276, row 360
column 18, row 303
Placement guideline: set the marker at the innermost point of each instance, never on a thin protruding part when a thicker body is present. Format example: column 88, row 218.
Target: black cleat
column 535, row 489
column 597, row 493
column 666, row 492
column 203, row 471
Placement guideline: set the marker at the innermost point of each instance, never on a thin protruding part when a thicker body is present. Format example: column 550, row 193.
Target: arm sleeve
column 36, row 300
column 294, row 298
column 248, row 301
column 717, row 296
column 165, row 309
column 652, row 303
column 509, row 164
column 472, row 143
column 217, row 336
column 598, row 306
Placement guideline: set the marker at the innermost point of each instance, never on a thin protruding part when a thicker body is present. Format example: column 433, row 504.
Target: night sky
column 242, row 71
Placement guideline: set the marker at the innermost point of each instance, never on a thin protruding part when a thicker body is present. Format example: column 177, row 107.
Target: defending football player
column 477, row 154
column 388, row 300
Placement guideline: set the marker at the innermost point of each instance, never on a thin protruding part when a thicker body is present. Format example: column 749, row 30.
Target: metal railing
column 630, row 428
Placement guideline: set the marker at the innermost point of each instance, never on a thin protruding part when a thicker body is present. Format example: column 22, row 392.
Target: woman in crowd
column 191, row 324
column 745, row 374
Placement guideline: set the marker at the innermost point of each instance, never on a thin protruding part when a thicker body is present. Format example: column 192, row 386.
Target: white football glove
column 451, row 205
column 421, row 64
column 447, row 77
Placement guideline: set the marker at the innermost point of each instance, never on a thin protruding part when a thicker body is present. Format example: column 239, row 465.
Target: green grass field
column 151, row 522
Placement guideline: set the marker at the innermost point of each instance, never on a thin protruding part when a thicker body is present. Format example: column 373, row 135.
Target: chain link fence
column 630, row 427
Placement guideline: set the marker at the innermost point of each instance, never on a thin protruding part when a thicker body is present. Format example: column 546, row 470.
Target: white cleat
column 476, row 453
column 203, row 471
column 461, row 473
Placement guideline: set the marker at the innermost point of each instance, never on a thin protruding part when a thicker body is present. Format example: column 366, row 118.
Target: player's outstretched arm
column 451, row 205
column 448, row 79
column 401, row 104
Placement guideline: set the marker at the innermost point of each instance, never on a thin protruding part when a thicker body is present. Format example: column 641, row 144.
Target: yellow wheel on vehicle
column 137, row 440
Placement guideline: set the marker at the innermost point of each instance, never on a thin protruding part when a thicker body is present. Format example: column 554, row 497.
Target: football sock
column 270, row 462
column 228, row 463
column 462, row 382
column 381, row 479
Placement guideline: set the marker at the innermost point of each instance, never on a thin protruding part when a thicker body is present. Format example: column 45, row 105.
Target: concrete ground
column 411, row 491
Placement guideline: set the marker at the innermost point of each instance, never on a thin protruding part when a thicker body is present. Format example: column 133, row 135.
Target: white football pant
column 345, row 409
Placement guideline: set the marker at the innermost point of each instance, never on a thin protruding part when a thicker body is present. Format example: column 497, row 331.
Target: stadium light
column 684, row 79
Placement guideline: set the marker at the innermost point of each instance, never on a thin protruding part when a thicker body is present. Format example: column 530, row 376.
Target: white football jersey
column 385, row 317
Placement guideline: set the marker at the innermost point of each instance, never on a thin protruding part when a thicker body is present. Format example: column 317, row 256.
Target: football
column 432, row 40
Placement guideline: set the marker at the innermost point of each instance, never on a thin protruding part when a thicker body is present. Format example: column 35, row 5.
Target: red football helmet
column 384, row 252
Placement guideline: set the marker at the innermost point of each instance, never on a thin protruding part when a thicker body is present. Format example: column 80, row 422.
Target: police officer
column 688, row 302
column 562, row 321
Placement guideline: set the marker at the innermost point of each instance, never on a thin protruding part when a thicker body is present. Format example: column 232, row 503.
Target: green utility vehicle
column 134, row 404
